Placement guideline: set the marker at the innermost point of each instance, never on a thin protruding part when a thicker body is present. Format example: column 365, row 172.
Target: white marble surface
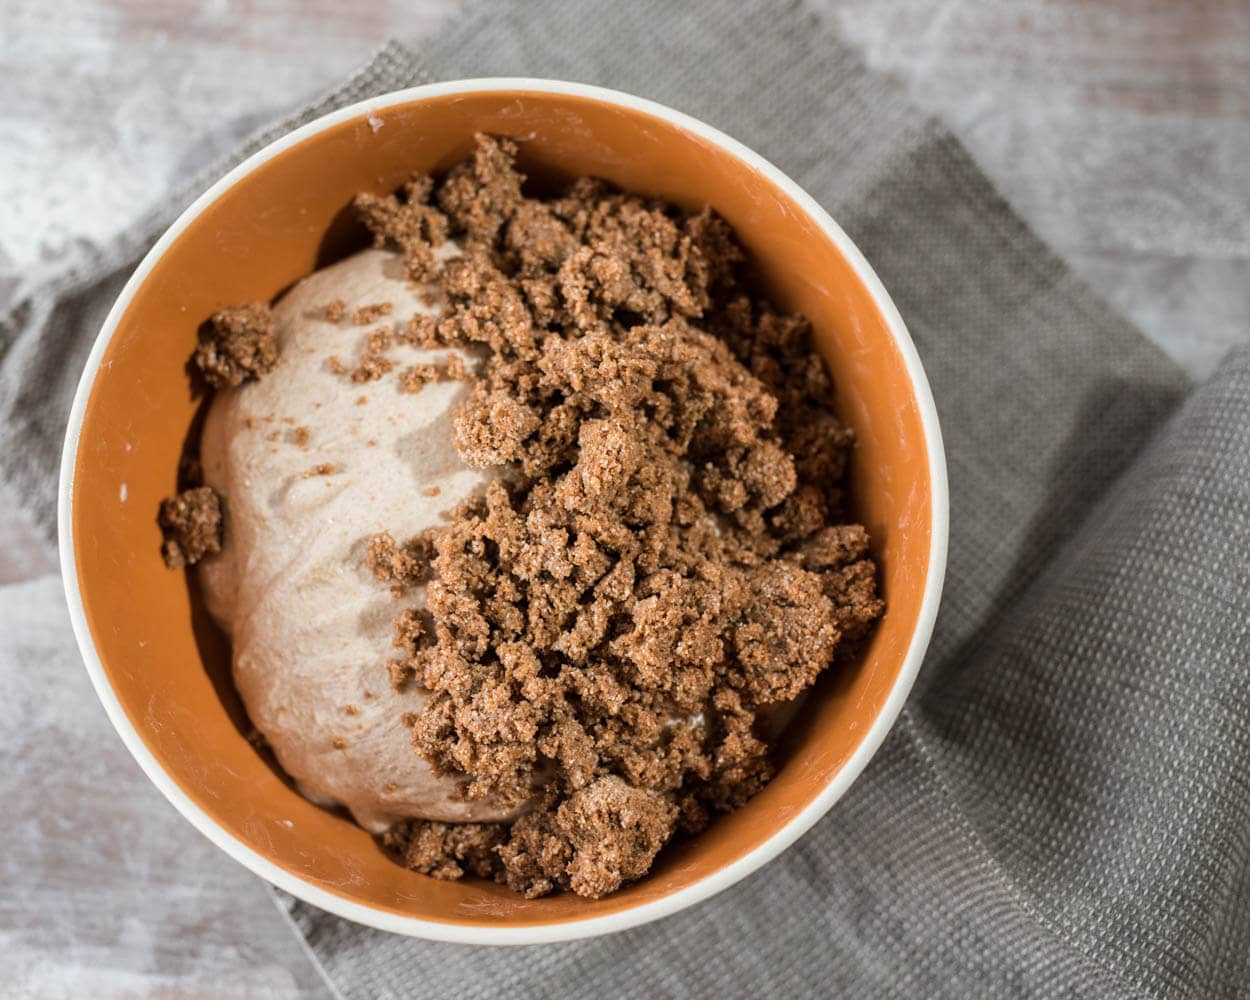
column 1120, row 129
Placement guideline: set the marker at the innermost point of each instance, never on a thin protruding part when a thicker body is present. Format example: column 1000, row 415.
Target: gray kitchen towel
column 1064, row 808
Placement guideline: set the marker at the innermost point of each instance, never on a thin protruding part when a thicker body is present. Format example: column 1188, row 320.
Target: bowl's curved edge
column 593, row 926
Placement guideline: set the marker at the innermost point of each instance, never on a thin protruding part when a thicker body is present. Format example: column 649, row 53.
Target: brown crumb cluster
column 238, row 344
column 417, row 377
column 399, row 565
column 371, row 313
column 407, row 220
column 373, row 362
column 191, row 525
column 668, row 555
column 447, row 850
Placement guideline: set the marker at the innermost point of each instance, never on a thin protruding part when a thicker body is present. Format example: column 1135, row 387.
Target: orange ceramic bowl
column 162, row 672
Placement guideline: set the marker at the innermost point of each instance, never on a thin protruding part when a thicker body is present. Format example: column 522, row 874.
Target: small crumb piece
column 335, row 311
column 361, row 400
column 324, row 469
column 371, row 313
column 411, row 634
column 414, row 379
column 301, row 436
column 604, row 835
column 338, row 743
column 239, row 344
column 351, row 710
column 446, row 850
column 421, row 331
column 403, row 565
column 192, row 525
column 373, row 362
column 433, row 491
column 400, row 673
column 407, row 221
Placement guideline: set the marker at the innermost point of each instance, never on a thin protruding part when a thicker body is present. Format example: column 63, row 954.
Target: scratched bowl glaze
column 162, row 670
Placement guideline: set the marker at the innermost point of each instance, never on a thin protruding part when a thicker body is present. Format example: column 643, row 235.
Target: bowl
column 162, row 671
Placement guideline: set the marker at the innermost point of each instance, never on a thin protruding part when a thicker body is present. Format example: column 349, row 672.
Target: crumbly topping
column 668, row 554
column 404, row 565
column 237, row 345
column 371, row 313
column 408, row 221
column 420, row 331
column 417, row 377
column 335, row 311
column 373, row 362
column 446, row 850
column 191, row 525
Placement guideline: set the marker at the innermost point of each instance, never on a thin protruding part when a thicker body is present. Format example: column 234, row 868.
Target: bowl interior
column 170, row 670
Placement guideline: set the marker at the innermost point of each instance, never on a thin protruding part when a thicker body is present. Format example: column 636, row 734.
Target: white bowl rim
column 591, row 926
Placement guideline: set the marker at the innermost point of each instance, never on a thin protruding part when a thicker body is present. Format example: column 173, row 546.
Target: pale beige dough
column 310, row 626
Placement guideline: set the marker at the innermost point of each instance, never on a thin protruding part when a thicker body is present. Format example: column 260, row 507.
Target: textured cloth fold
column 1063, row 809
